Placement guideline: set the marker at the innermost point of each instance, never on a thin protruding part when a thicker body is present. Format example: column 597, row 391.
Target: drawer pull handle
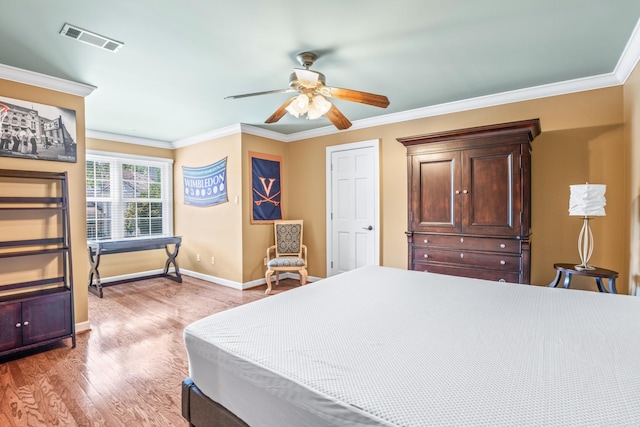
column 465, row 191
column 502, row 262
column 426, row 241
column 457, row 191
column 25, row 323
column 461, row 255
column 18, row 325
column 426, row 256
column 502, row 245
column 502, row 281
column 462, row 240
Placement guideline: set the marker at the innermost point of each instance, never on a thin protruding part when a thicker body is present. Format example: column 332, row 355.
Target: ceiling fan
column 313, row 93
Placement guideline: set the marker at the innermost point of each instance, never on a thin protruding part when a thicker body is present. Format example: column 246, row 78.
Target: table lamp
column 586, row 200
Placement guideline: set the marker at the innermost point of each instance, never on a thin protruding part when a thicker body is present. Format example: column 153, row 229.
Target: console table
column 598, row 273
column 96, row 249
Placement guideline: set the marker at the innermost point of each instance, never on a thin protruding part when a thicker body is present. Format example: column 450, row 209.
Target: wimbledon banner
column 207, row 185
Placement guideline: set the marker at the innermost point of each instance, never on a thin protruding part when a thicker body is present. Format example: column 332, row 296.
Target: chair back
column 288, row 235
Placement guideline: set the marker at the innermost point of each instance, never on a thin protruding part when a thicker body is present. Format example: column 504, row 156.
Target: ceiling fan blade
column 261, row 93
column 337, row 118
column 357, row 96
column 280, row 112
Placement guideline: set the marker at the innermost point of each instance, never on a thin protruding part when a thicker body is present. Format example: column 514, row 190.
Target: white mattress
column 387, row 347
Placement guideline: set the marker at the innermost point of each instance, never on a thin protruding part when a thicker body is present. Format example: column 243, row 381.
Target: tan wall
column 76, row 189
column 216, row 230
column 256, row 238
column 576, row 156
column 590, row 149
column 632, row 140
column 122, row 264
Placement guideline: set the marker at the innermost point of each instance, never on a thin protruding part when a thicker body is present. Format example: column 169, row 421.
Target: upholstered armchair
column 288, row 254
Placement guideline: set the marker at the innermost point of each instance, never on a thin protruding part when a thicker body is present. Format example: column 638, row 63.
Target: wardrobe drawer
column 468, row 258
column 496, row 276
column 467, row 242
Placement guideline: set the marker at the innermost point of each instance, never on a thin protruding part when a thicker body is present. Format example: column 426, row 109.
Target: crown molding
column 42, row 80
column 265, row 133
column 96, row 134
column 216, row 133
column 630, row 56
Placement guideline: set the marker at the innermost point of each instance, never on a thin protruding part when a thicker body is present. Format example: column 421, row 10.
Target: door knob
column 368, row 228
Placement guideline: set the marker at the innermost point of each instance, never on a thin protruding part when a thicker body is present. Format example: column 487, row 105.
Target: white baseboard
column 83, row 327
column 245, row 285
column 213, row 279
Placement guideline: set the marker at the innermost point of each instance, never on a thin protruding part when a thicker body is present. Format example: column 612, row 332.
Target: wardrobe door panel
column 434, row 184
column 491, row 191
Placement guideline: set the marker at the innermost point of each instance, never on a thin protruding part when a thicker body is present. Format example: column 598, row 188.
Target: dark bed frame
column 201, row 411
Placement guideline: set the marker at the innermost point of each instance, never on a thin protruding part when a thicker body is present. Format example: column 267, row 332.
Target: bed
column 381, row 346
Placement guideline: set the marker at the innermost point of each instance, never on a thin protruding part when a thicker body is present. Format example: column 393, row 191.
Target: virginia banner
column 266, row 188
column 206, row 185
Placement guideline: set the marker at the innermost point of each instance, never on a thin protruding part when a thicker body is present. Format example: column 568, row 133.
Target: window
column 128, row 196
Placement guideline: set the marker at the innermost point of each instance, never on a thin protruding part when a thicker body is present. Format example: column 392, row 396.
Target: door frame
column 372, row 143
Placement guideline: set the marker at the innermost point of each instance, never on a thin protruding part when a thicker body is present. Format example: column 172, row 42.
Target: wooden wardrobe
column 470, row 201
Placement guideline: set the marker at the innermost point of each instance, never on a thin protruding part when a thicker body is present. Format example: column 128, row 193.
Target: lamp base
column 584, row 267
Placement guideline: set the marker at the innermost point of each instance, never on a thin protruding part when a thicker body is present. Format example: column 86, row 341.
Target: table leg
column 94, row 262
column 171, row 259
column 612, row 285
column 600, row 285
column 556, row 280
column 567, row 280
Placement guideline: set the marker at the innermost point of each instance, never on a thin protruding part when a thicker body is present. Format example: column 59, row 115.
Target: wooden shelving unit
column 36, row 312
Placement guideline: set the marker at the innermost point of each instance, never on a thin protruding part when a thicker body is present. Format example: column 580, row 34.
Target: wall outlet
column 213, row 260
column 265, row 261
column 198, row 257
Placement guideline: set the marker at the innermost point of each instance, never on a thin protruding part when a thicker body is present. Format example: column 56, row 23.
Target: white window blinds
column 128, row 196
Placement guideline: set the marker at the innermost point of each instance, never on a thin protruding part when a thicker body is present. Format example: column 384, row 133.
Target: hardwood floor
column 128, row 369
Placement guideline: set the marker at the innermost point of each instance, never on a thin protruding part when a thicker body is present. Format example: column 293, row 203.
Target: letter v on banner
column 266, row 187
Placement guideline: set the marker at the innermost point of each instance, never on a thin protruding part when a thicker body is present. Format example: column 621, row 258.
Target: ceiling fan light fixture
column 299, row 106
column 313, row 93
column 318, row 107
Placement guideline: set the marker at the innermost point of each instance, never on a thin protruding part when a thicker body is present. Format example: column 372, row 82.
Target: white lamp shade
column 587, row 200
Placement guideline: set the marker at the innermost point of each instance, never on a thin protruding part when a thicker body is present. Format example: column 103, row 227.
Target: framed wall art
column 29, row 130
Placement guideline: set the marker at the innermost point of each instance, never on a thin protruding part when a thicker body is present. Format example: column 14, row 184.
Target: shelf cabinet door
column 46, row 318
column 491, row 182
column 10, row 334
column 435, row 179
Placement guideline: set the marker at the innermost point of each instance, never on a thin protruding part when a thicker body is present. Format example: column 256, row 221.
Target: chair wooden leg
column 267, row 276
column 277, row 278
column 303, row 276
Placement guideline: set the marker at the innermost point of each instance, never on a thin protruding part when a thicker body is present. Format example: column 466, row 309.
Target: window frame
column 116, row 199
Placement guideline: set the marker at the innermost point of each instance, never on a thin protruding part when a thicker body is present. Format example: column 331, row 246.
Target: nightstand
column 598, row 273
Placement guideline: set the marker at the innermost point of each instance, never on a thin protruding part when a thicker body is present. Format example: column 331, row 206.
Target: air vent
column 91, row 38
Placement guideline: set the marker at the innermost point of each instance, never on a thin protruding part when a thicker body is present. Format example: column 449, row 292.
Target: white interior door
column 352, row 204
